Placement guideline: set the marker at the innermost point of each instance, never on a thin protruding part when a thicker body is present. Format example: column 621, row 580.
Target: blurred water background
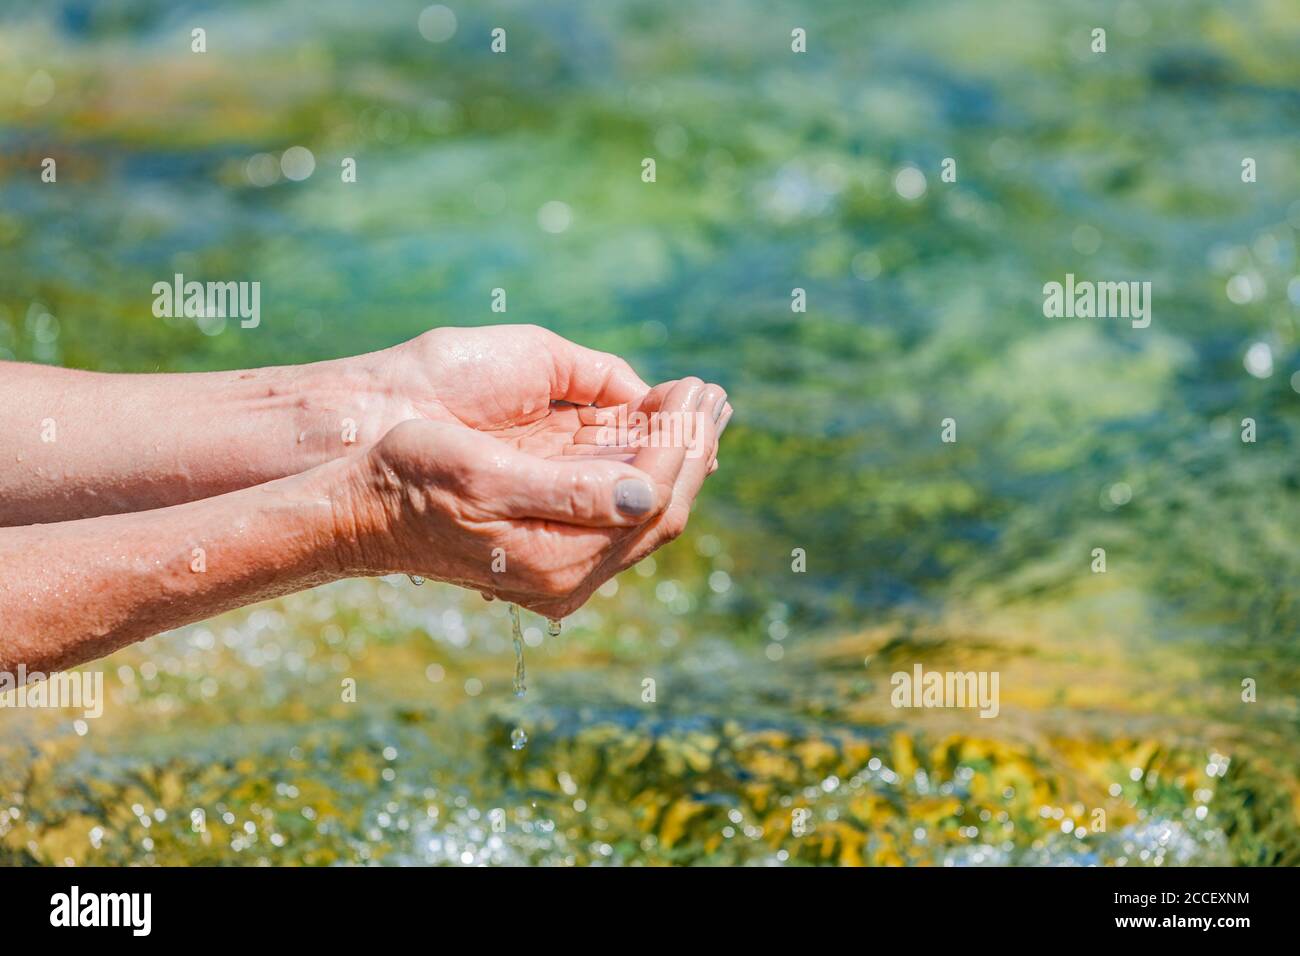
column 1120, row 692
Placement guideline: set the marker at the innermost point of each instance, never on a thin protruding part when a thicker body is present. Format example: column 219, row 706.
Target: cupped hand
column 506, row 380
column 453, row 501
column 521, row 384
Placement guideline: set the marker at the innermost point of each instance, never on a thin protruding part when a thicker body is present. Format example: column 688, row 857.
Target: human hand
column 522, row 384
column 617, row 432
column 458, row 504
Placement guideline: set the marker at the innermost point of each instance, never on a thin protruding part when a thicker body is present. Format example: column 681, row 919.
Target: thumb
column 581, row 491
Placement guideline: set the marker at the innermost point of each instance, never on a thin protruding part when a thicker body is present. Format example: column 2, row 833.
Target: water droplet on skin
column 518, row 739
column 553, row 627
column 416, row 579
column 517, row 637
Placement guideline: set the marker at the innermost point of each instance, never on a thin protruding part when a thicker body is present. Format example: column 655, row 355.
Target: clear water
column 517, row 736
column 517, row 638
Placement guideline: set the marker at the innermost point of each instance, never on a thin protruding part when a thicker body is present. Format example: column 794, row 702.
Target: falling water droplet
column 553, row 627
column 517, row 736
column 517, row 636
column 416, row 579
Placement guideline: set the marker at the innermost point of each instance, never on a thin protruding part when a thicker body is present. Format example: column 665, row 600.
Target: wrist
column 343, row 407
column 358, row 523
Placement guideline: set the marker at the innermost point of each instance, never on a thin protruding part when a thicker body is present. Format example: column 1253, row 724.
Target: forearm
column 77, row 590
column 78, row 444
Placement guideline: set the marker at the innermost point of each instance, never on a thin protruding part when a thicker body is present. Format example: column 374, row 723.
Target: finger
column 608, row 435
column 672, row 521
column 699, row 444
column 594, row 492
column 715, row 402
column 614, row 453
column 665, row 446
column 584, row 376
column 630, row 417
column 705, row 444
column 651, row 401
column 654, row 399
column 602, row 415
column 665, row 526
column 496, row 481
column 609, row 426
column 722, row 426
column 620, row 424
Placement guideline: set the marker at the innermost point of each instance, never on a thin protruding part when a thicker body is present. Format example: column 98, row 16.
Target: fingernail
column 632, row 496
column 718, row 407
column 723, row 427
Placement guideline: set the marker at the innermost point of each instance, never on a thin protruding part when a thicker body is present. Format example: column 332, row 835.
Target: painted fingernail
column 723, row 427
column 632, row 496
column 717, row 408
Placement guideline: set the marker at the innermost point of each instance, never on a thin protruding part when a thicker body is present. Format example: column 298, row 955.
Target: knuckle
column 572, row 493
column 542, row 335
column 615, row 364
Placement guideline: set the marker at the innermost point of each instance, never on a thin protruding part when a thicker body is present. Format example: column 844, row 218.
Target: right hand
column 452, row 503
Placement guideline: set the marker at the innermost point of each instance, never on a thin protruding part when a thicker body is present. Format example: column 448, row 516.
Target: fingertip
column 634, row 498
column 668, row 435
column 605, row 416
column 713, row 400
